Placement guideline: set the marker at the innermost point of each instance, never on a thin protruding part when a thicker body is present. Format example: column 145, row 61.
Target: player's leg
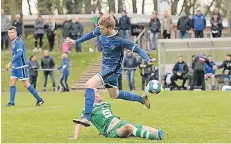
column 92, row 83
column 129, row 96
column 132, row 77
column 24, row 78
column 125, row 131
column 13, row 80
column 157, row 133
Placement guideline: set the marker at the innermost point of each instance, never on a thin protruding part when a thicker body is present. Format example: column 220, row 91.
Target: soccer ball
column 154, row 87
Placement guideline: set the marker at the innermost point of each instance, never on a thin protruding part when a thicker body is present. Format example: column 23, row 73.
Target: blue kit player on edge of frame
column 113, row 45
column 20, row 70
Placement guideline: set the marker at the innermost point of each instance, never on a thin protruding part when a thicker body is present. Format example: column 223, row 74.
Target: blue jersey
column 19, row 58
column 113, row 49
column 65, row 66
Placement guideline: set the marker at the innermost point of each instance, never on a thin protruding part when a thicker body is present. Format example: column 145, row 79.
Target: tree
column 208, row 7
column 155, row 5
column 228, row 3
column 69, row 6
column 189, row 6
column 134, row 8
column 28, row 2
column 111, row 4
column 143, row 3
column 59, row 5
column 45, row 7
column 174, row 6
column 88, row 7
column 120, row 6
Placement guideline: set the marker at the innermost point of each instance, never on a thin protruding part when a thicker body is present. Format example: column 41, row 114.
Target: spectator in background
column 5, row 23
column 98, row 45
column 116, row 21
column 199, row 24
column 216, row 26
column 219, row 17
column 167, row 24
column 33, row 66
column 145, row 72
column 198, row 78
column 18, row 24
column 184, row 25
column 154, row 25
column 210, row 72
column 47, row 62
column 65, row 70
column 50, row 28
column 125, row 25
column 216, row 12
column 226, row 65
column 180, row 71
column 38, row 33
column 190, row 72
column 76, row 32
column 130, row 64
column 67, row 27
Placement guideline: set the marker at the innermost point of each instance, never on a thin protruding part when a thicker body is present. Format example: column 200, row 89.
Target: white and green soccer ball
column 154, row 87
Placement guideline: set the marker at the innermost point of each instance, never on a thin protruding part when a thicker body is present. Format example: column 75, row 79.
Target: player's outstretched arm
column 135, row 48
column 76, row 131
column 86, row 37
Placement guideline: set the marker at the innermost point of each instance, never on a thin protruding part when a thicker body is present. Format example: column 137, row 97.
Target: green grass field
column 184, row 117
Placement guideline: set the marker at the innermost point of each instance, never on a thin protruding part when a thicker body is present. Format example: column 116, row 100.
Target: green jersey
column 102, row 116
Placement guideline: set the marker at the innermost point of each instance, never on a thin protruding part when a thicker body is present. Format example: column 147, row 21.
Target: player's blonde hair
column 107, row 20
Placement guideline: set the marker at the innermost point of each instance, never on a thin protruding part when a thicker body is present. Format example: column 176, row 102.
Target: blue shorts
column 20, row 74
column 109, row 78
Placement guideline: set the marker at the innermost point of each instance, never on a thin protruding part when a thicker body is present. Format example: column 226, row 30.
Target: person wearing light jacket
column 38, row 33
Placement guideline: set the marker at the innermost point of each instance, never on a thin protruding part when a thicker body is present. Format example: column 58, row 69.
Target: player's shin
column 12, row 94
column 130, row 96
column 32, row 90
column 89, row 101
column 139, row 132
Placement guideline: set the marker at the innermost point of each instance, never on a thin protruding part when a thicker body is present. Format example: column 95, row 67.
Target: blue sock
column 89, row 101
column 130, row 96
column 12, row 94
column 32, row 90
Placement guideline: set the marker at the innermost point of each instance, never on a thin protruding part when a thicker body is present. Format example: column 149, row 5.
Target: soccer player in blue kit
column 113, row 45
column 19, row 68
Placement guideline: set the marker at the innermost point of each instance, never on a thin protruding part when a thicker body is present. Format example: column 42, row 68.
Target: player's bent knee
column 12, row 82
column 26, row 83
column 128, row 130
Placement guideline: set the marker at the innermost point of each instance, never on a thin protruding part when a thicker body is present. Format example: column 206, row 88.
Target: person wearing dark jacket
column 180, row 71
column 199, row 24
column 216, row 26
column 47, row 62
column 50, row 28
column 198, row 78
column 184, row 25
column 38, row 33
column 18, row 24
column 33, row 66
column 154, row 25
column 145, row 72
column 130, row 64
column 226, row 65
column 76, row 32
column 125, row 25
column 67, row 28
column 65, row 66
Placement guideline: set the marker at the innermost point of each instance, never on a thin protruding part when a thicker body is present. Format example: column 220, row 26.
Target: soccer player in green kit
column 111, row 126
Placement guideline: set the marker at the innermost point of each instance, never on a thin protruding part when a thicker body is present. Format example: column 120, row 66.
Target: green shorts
column 113, row 132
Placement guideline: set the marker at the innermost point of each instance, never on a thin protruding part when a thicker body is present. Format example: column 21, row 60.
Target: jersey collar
column 14, row 39
column 113, row 34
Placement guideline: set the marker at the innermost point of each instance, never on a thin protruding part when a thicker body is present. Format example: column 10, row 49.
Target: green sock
column 139, row 132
